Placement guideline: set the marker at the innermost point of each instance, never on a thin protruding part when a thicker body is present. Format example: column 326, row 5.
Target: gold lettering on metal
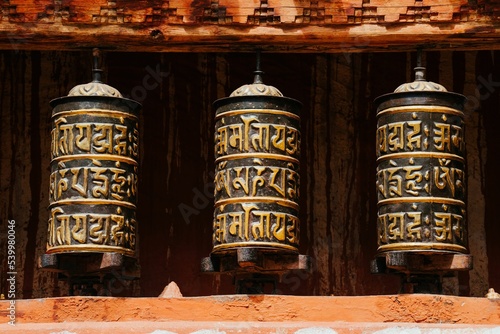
column 396, row 226
column 395, row 181
column 82, row 140
column 103, row 138
column 66, row 140
column 221, row 141
column 263, row 225
column 282, row 182
column 446, row 177
column 442, row 138
column 400, row 226
column 443, row 227
column 253, row 135
column 93, row 179
column 220, row 228
column 395, row 137
column 382, row 140
column 279, row 137
column 420, row 178
column 457, row 137
column 256, row 179
column 414, row 228
column 413, row 179
column 120, row 140
column 414, row 137
column 133, row 138
column 99, row 228
column 279, row 226
column 279, row 188
column 79, row 231
column 292, row 230
column 62, row 185
column 63, row 233
column 240, row 182
column 236, row 138
column 260, row 140
column 82, row 187
column 236, row 226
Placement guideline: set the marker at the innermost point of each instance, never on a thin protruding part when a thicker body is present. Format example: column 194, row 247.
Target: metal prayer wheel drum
column 257, row 150
column 93, row 181
column 421, row 182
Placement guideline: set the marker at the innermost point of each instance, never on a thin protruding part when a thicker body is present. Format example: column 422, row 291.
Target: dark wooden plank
column 285, row 25
column 245, row 38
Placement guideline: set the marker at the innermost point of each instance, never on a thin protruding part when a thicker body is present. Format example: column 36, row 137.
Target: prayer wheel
column 420, row 180
column 257, row 150
column 93, row 180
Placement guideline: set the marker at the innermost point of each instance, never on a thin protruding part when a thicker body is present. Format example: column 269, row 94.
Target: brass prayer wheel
column 94, row 161
column 421, row 182
column 257, row 150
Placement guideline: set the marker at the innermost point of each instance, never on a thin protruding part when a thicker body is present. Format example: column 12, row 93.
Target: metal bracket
column 254, row 268
column 83, row 271
column 421, row 272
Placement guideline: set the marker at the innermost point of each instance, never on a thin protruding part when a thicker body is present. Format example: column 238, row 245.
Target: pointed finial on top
column 96, row 70
column 258, row 73
column 257, row 88
column 96, row 87
column 420, row 84
column 419, row 70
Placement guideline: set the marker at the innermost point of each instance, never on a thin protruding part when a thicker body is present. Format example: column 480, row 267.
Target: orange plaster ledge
column 253, row 314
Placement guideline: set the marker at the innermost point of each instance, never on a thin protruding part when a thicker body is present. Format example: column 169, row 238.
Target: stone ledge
column 199, row 327
column 254, row 314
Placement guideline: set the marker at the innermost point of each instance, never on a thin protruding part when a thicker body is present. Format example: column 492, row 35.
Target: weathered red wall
column 338, row 164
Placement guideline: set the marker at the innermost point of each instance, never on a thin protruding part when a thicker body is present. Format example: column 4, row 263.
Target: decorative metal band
column 95, row 112
column 256, row 89
column 418, row 246
column 90, row 201
column 109, row 180
column 97, row 227
column 420, row 108
column 94, row 88
column 239, row 156
column 442, row 200
column 89, row 249
column 274, row 200
column 257, row 136
column 96, row 157
column 408, row 155
column 257, row 111
column 255, row 223
column 254, row 244
column 420, row 86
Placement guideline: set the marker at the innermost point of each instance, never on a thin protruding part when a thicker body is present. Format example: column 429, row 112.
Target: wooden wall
column 338, row 204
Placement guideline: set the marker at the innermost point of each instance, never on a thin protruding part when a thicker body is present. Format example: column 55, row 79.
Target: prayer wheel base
column 91, row 273
column 255, row 269
column 421, row 272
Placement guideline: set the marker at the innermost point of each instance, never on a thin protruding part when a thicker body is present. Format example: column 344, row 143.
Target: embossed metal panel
column 421, row 183
column 257, row 150
column 93, row 181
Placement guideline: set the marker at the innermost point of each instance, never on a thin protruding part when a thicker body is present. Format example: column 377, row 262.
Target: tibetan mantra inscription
column 421, row 172
column 257, row 150
column 93, row 181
